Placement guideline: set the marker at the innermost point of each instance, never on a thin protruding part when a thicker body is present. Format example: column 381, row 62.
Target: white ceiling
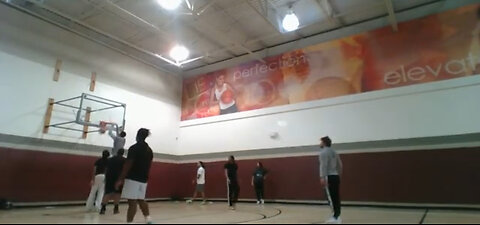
column 216, row 30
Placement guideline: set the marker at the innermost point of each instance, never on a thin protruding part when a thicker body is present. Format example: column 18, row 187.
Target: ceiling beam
column 165, row 35
column 53, row 16
column 157, row 29
column 391, row 15
column 335, row 15
column 328, row 10
column 90, row 13
column 220, row 37
column 228, row 44
column 223, row 39
column 114, row 10
column 245, row 35
column 263, row 6
column 263, row 15
column 201, row 10
column 206, row 56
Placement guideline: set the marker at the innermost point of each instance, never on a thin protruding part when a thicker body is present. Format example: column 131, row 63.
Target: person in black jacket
column 114, row 168
column 231, row 169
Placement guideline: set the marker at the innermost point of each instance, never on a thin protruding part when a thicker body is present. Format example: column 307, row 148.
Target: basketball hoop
column 103, row 127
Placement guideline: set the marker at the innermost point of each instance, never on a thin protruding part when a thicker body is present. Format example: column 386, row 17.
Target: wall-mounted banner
column 437, row 47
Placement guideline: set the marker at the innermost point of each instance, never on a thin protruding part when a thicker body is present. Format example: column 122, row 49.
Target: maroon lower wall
column 34, row 176
column 432, row 176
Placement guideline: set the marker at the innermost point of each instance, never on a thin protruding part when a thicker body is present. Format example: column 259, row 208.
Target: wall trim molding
column 62, row 147
column 468, row 141
column 464, row 141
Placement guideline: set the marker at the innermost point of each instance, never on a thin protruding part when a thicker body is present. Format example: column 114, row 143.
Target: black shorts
column 231, row 109
column 110, row 187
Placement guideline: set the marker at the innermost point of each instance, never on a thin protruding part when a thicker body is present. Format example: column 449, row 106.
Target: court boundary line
column 458, row 207
column 424, row 216
column 265, row 217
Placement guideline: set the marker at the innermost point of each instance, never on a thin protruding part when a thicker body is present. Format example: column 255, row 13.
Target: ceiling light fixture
column 179, row 53
column 179, row 56
column 178, row 64
column 290, row 21
column 169, row 4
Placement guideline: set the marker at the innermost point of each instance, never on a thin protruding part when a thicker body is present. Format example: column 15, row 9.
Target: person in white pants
column 95, row 198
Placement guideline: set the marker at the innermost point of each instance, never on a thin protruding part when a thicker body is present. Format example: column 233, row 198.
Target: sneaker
column 148, row 220
column 103, row 209
column 334, row 221
column 189, row 201
column 258, row 202
column 263, row 202
column 232, row 208
column 204, row 202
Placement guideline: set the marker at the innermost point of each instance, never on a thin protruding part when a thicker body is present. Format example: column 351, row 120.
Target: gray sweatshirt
column 118, row 142
column 330, row 163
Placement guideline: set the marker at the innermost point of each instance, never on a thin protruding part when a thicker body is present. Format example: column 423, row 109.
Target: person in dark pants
column 114, row 168
column 233, row 187
column 258, row 180
column 134, row 176
column 330, row 171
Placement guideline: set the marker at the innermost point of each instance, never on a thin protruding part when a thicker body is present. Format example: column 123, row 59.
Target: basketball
column 227, row 97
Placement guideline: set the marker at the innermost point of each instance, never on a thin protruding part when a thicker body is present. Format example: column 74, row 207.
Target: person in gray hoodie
column 330, row 172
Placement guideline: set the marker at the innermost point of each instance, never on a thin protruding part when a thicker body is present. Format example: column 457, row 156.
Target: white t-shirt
column 218, row 95
column 201, row 176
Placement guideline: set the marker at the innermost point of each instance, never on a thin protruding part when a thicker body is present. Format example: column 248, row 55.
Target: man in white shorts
column 200, row 181
column 135, row 176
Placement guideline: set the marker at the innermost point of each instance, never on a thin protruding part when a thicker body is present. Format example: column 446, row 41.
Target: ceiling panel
column 362, row 14
column 317, row 28
column 221, row 26
column 118, row 27
column 72, row 8
column 148, row 10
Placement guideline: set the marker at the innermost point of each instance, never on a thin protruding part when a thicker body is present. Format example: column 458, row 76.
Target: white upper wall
column 28, row 51
column 29, row 48
column 434, row 109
